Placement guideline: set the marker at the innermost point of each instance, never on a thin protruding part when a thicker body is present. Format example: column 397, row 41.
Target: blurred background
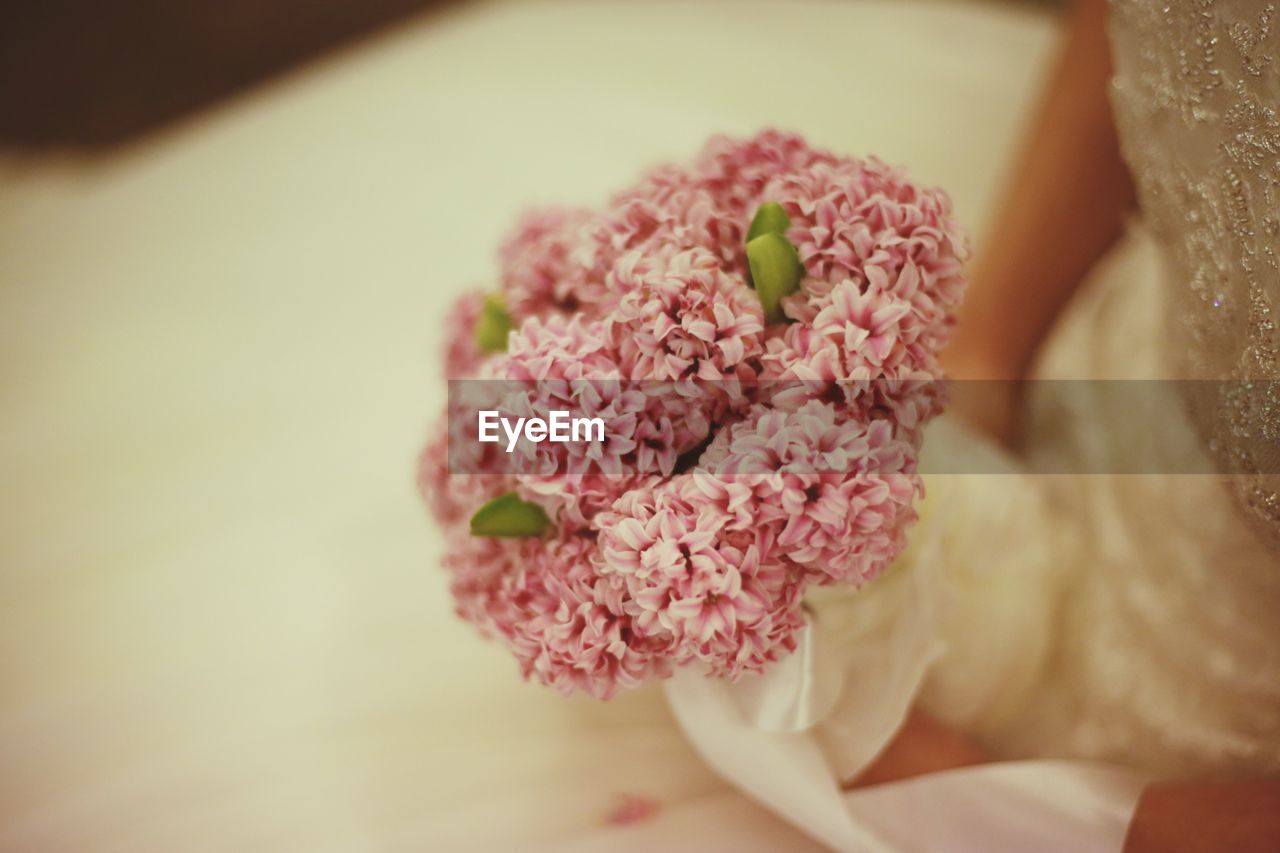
column 93, row 75
column 74, row 73
column 228, row 231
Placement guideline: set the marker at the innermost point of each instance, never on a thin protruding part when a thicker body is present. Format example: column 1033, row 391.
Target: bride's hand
column 1196, row 817
column 922, row 745
column 1187, row 817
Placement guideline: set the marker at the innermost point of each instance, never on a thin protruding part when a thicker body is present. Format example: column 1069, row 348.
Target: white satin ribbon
column 1046, row 806
column 798, row 691
column 1009, row 806
column 784, row 771
column 878, row 642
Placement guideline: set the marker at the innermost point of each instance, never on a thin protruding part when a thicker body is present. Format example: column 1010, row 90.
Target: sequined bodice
column 1196, row 94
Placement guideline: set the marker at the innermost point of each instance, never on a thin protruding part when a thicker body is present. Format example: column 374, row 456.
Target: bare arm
column 1064, row 205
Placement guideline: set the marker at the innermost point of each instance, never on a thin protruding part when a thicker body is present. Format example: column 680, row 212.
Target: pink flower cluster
column 744, row 461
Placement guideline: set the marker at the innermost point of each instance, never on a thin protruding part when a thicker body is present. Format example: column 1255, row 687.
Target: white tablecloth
column 221, row 624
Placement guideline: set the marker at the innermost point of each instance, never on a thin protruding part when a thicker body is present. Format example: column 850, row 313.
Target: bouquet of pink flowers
column 757, row 332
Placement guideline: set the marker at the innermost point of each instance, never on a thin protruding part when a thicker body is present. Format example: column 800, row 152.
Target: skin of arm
column 1064, row 206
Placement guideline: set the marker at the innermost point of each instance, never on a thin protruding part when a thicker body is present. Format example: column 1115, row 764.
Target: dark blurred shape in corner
column 90, row 74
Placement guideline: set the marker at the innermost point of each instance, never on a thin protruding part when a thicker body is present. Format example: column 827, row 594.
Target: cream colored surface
column 221, row 627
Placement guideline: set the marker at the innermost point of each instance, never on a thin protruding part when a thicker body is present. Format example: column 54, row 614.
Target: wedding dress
column 1128, row 624
column 1166, row 647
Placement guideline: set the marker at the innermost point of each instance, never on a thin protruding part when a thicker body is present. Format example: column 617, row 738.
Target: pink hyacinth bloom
column 738, row 171
column 462, row 355
column 564, row 631
column 838, row 491
column 575, row 500
column 454, row 491
column 573, row 366
column 803, row 436
column 569, row 365
column 558, row 349
column 699, row 587
column 681, row 317
column 690, row 336
column 543, row 272
column 542, row 599
column 685, row 217
column 868, row 223
column 709, row 202
column 869, row 342
column 480, row 571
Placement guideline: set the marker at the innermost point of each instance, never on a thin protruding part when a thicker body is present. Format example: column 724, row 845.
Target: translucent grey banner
column 611, row 427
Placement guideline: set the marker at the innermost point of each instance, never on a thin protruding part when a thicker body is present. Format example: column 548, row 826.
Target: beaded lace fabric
column 1196, row 94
